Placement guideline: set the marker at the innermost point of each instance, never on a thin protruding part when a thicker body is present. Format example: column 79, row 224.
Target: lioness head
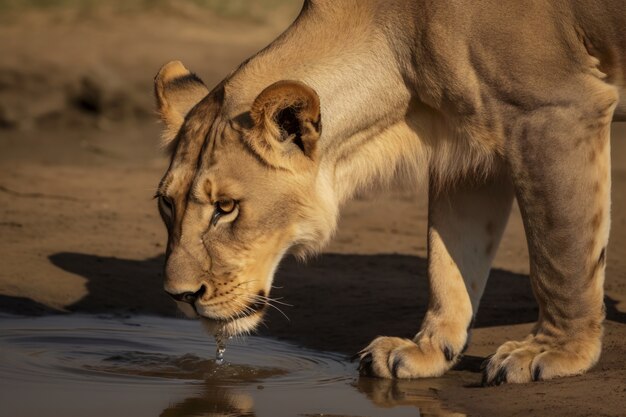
column 239, row 193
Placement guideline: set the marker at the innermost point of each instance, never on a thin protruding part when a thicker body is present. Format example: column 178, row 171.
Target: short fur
column 490, row 99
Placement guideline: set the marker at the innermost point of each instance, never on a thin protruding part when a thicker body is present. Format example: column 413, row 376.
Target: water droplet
column 220, row 342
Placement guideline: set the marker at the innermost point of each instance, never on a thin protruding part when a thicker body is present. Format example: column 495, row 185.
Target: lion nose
column 188, row 297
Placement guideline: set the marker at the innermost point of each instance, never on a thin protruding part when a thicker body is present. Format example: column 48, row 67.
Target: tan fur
column 481, row 104
column 268, row 139
column 173, row 101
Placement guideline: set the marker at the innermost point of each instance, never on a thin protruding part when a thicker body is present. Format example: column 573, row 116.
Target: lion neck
column 364, row 99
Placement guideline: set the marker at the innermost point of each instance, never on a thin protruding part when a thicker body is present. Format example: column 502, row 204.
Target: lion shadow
column 336, row 302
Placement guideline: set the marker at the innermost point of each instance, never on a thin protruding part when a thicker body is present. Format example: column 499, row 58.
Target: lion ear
column 290, row 112
column 177, row 90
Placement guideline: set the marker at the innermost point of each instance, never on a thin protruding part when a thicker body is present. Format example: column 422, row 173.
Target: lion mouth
column 243, row 321
column 249, row 310
column 234, row 325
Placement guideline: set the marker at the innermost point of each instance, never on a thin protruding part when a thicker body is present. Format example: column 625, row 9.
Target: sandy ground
column 79, row 163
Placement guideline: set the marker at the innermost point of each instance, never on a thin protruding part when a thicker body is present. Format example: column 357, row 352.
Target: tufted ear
column 289, row 111
column 177, row 90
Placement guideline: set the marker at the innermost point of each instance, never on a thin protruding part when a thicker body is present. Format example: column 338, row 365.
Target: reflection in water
column 217, row 401
column 393, row 392
column 389, row 398
column 147, row 366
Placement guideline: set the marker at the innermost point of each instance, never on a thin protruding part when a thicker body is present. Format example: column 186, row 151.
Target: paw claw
column 365, row 365
column 394, row 357
column 356, row 356
column 484, row 363
column 397, row 362
column 448, row 353
column 500, row 376
column 499, row 379
column 537, row 374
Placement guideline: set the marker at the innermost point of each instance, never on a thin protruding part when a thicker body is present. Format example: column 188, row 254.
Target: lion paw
column 538, row 358
column 394, row 357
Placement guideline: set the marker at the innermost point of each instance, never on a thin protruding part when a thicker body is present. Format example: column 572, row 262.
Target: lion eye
column 166, row 205
column 224, row 208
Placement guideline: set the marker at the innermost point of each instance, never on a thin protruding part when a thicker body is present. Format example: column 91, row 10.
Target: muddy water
column 147, row 366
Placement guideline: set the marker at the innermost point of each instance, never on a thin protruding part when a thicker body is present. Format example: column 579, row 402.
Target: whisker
column 273, row 300
column 279, row 310
column 243, row 300
column 246, row 310
column 277, row 300
column 252, row 298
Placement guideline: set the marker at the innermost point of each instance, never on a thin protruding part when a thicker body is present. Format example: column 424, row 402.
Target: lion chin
column 234, row 327
column 225, row 327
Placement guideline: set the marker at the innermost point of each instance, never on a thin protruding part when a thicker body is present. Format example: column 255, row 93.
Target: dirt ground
column 79, row 163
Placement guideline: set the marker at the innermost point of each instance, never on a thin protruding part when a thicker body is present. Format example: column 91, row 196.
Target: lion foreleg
column 466, row 222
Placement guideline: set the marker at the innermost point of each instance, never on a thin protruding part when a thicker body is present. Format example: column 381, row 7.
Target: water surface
column 148, row 366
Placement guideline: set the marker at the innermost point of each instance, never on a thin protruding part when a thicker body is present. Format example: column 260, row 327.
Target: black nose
column 188, row 297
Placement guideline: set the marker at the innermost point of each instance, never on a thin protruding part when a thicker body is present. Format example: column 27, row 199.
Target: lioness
column 495, row 99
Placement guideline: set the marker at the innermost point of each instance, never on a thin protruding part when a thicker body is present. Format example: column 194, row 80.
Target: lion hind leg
column 466, row 222
column 561, row 170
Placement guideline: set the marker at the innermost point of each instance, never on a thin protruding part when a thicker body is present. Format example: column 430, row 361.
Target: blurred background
column 90, row 63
